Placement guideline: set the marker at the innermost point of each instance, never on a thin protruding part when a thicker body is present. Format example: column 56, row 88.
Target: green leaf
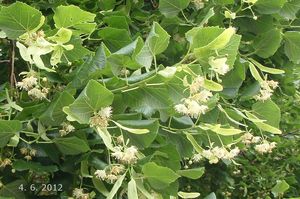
column 63, row 35
column 90, row 69
column 267, row 69
column 91, row 99
column 158, row 176
column 202, row 36
column 116, row 187
column 141, row 140
column 72, row 17
column 188, row 195
column 268, row 111
column 213, row 38
column 255, row 73
column 269, row 6
column 99, row 185
column 84, row 169
column 19, row 18
column 71, row 145
column 268, row 128
column 266, row 44
column 224, row 2
column 156, row 43
column 115, row 38
column 222, row 40
column 212, row 86
column 281, row 187
column 221, row 131
column 131, row 130
column 12, row 189
column 77, row 53
column 211, row 196
column 194, row 173
column 8, row 129
column 114, row 21
column 132, row 190
column 107, row 4
column 106, row 137
column 208, row 15
column 125, row 57
column 171, row 8
column 250, row 91
column 292, row 46
column 261, row 125
column 54, row 115
column 290, row 9
column 205, row 41
column 193, row 141
column 233, row 81
column 21, row 165
column 142, row 189
column 148, row 100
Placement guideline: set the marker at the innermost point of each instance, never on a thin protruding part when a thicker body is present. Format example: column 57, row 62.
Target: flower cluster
column 78, row 193
column 261, row 146
column 194, row 106
column 110, row 175
column 101, row 118
column 38, row 93
column 199, row 4
column 66, row 129
column 29, row 83
column 266, row 90
column 219, row 65
column 5, row 162
column 248, row 139
column 28, row 153
column 215, row 154
column 125, row 155
column 265, row 147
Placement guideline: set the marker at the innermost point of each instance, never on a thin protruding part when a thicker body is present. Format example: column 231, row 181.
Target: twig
column 4, row 61
column 12, row 77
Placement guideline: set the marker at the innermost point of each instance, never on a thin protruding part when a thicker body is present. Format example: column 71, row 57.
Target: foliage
column 149, row 99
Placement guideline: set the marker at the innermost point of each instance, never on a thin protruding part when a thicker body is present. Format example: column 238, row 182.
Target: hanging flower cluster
column 194, row 106
column 265, row 147
column 199, row 4
column 111, row 174
column 27, row 83
column 266, row 90
column 5, row 162
column 101, row 118
column 248, row 139
column 78, row 193
column 66, row 129
column 28, row 153
column 30, row 84
column 125, row 155
column 215, row 154
column 219, row 65
column 261, row 145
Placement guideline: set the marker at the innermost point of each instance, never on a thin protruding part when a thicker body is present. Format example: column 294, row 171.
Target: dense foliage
column 149, row 99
